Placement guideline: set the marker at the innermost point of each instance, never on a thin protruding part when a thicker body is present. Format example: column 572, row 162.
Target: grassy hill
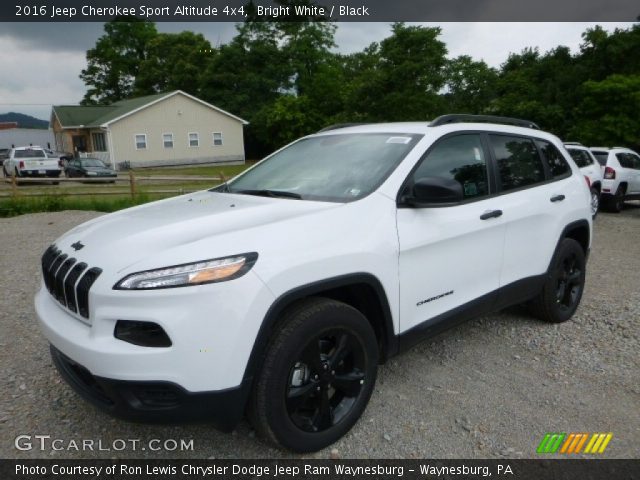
column 24, row 121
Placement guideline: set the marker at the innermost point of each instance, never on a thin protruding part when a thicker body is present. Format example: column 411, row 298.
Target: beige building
column 172, row 128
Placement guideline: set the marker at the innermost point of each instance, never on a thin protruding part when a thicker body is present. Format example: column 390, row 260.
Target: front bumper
column 154, row 402
column 212, row 330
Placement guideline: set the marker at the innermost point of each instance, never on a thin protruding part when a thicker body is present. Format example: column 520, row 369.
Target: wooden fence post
column 132, row 184
column 222, row 177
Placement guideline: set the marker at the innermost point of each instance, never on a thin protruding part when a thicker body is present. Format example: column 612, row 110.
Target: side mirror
column 434, row 191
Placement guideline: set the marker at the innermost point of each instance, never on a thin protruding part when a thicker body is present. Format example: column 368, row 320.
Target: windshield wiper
column 269, row 193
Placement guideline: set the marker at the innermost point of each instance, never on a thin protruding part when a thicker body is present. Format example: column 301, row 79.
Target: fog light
column 144, row 334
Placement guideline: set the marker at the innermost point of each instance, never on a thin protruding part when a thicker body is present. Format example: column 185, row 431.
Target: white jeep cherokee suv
column 590, row 168
column 621, row 176
column 279, row 293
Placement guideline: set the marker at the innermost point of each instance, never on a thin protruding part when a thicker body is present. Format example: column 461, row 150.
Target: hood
column 182, row 224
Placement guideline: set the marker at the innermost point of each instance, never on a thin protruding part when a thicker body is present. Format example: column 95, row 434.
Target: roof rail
column 626, row 148
column 466, row 118
column 574, row 143
column 336, row 126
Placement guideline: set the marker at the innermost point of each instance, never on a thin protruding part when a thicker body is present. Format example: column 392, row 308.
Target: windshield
column 29, row 154
column 334, row 168
column 600, row 156
column 92, row 162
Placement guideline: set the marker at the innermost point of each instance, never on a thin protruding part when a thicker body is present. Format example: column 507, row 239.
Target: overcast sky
column 40, row 62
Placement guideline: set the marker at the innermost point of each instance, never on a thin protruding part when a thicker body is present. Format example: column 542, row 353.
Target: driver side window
column 460, row 158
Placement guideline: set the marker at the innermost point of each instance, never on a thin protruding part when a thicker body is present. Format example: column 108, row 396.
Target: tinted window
column 29, row 154
column 458, row 158
column 558, row 166
column 600, row 156
column 626, row 160
column 581, row 157
column 518, row 161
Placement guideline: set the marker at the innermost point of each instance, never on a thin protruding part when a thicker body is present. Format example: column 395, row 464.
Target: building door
column 79, row 143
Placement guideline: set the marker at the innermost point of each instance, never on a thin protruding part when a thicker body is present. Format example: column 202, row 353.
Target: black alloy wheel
column 570, row 282
column 564, row 284
column 326, row 381
column 317, row 375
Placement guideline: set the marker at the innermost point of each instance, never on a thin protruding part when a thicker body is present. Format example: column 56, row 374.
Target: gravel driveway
column 490, row 388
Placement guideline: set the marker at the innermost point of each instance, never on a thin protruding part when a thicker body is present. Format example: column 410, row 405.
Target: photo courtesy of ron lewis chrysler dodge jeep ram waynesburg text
column 278, row 293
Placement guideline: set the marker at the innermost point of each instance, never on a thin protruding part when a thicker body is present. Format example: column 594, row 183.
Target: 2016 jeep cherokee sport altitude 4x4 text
column 278, row 293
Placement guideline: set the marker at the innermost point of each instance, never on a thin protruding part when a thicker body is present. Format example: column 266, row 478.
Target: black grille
column 61, row 276
column 82, row 290
column 58, row 287
column 70, row 286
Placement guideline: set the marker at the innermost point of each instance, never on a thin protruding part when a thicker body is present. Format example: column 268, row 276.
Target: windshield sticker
column 470, row 189
column 403, row 140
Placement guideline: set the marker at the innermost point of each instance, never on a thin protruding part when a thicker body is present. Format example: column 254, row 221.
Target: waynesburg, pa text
column 225, row 471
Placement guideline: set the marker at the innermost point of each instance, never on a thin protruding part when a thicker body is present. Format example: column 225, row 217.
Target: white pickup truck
column 31, row 162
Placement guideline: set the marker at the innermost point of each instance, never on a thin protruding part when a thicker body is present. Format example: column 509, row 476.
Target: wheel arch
column 578, row 231
column 362, row 291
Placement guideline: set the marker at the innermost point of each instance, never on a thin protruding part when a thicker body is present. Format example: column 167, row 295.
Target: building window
column 141, row 141
column 217, row 138
column 194, row 140
column 167, row 140
column 99, row 143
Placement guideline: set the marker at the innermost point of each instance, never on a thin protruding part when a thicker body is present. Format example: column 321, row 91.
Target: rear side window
column 581, row 157
column 600, row 156
column 628, row 160
column 458, row 158
column 558, row 166
column 518, row 161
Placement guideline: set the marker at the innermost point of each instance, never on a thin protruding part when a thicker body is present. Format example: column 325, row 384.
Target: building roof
column 80, row 116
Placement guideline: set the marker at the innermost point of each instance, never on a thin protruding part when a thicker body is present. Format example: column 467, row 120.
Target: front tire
column 317, row 376
column 564, row 284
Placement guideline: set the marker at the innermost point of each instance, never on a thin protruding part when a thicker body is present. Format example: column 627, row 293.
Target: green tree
column 470, row 85
column 113, row 64
column 174, row 61
column 608, row 112
column 541, row 88
column 400, row 78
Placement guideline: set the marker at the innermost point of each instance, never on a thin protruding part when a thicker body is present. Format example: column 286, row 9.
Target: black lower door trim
column 512, row 294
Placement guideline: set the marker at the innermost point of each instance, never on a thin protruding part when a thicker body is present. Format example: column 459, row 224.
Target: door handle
column 557, row 198
column 491, row 214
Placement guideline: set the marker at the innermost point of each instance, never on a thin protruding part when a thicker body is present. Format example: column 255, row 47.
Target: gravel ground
column 488, row 389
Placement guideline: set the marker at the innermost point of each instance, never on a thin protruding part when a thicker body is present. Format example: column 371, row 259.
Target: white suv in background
column 591, row 170
column 279, row 292
column 621, row 176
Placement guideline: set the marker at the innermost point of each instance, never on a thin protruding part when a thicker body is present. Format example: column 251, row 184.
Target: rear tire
column 564, row 284
column 616, row 203
column 595, row 202
column 317, row 376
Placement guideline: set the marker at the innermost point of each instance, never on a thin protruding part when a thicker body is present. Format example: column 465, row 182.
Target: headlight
column 197, row 273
